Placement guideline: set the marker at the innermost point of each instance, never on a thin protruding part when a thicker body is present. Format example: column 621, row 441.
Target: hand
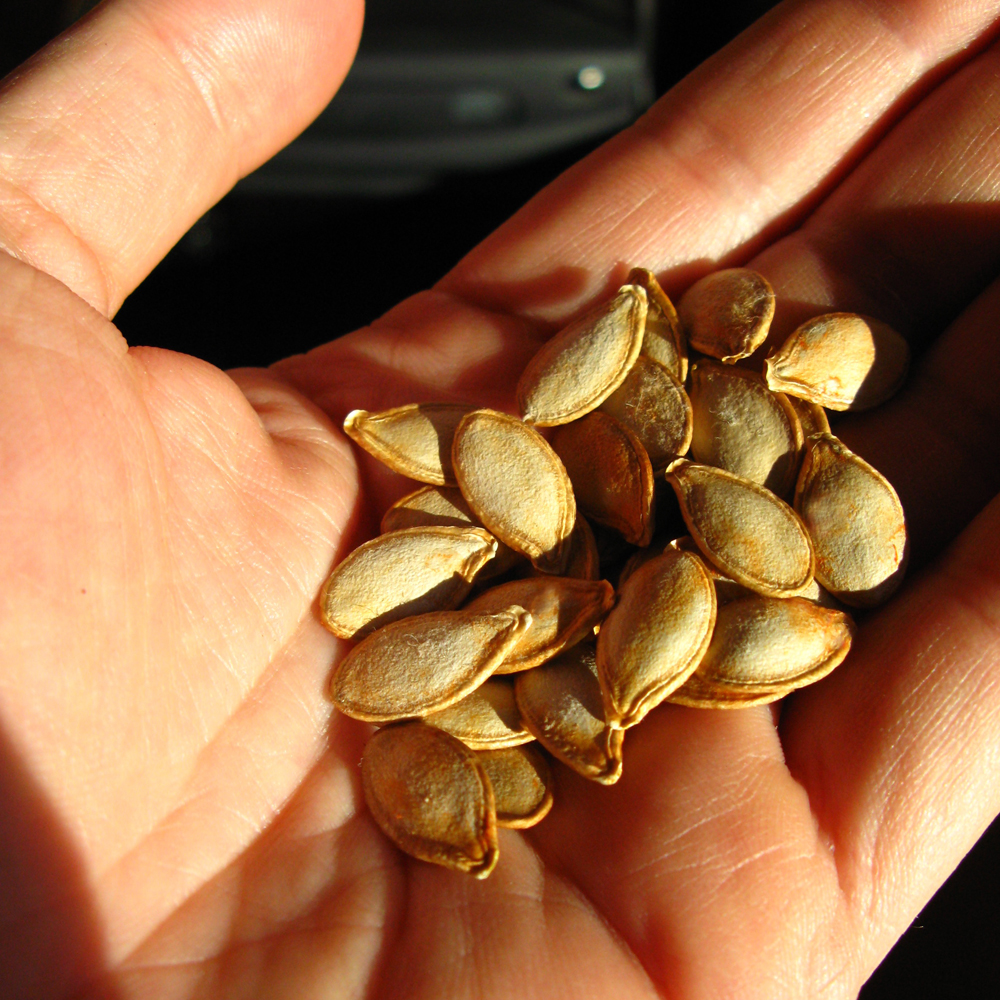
column 181, row 805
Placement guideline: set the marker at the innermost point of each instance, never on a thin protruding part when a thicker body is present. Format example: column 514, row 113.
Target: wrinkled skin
column 181, row 811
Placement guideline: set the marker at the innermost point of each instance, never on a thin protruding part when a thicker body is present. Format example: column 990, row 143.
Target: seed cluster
column 475, row 611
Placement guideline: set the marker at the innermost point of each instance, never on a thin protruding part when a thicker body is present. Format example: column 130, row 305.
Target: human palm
column 182, row 811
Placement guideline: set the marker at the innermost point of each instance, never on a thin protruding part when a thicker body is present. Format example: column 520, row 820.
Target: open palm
column 181, row 805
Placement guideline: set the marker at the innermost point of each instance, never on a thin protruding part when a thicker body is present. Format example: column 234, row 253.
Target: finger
column 116, row 137
column 897, row 748
column 738, row 152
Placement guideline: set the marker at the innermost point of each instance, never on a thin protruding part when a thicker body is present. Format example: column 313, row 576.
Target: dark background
column 263, row 276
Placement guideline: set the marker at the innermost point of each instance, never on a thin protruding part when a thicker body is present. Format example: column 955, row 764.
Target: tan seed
column 412, row 440
column 841, row 361
column 485, row 719
column 655, row 636
column 743, row 427
column 856, row 523
column 522, row 785
column 423, row 664
column 401, row 574
column 584, row 562
column 727, row 314
column 747, row 532
column 611, row 474
column 560, row 703
column 516, row 485
column 663, row 339
column 431, row 797
column 654, row 406
column 563, row 611
column 583, row 364
column 811, row 416
column 445, row 506
column 767, row 646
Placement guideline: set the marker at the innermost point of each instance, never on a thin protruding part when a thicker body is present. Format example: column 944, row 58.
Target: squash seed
column 856, row 523
column 445, row 506
column 412, row 440
column 560, row 703
column 563, row 611
column 841, row 360
column 811, row 416
column 401, row 574
column 727, row 314
column 747, row 532
column 662, row 340
column 422, row 664
column 522, row 785
column 431, row 797
column 584, row 562
column 767, row 646
column 516, row 485
column 485, row 719
column 655, row 636
column 583, row 364
column 743, row 427
column 611, row 474
column 654, row 406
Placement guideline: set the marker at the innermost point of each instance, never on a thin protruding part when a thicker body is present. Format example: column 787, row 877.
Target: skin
column 182, row 812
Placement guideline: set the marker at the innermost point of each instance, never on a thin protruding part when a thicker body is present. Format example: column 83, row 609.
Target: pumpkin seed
column 655, row 636
column 842, row 361
column 812, row 416
column 856, row 523
column 563, row 611
column 522, row 785
column 610, row 472
column 743, row 427
column 767, row 647
column 727, row 314
column 412, row 440
column 445, row 506
column 516, row 485
column 422, row 664
column 560, row 703
column 431, row 797
column 744, row 530
column 584, row 562
column 401, row 574
column 662, row 339
column 654, row 406
column 485, row 719
column 584, row 363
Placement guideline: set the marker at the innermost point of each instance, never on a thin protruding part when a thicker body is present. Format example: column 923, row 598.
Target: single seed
column 856, row 523
column 401, row 574
column 563, row 611
column 486, row 719
column 522, row 785
column 655, row 636
column 583, row 364
column 768, row 647
column 516, row 485
column 431, row 797
column 560, row 703
column 611, row 474
column 841, row 361
column 727, row 314
column 747, row 532
column 654, row 406
column 444, row 506
column 663, row 339
column 412, row 440
column 422, row 664
column 743, row 427
column 584, row 562
column 811, row 416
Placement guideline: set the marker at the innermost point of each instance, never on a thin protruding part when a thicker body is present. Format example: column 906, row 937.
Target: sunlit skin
column 181, row 810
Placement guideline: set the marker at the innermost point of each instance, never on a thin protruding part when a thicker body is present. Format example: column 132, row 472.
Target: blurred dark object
column 442, row 85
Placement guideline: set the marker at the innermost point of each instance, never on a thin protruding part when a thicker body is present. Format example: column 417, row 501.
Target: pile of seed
column 475, row 611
